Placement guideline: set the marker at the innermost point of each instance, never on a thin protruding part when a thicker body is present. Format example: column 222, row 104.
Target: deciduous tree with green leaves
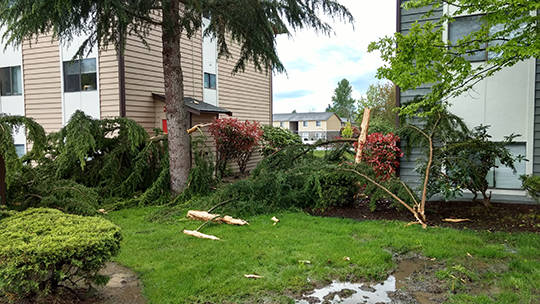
column 342, row 102
column 253, row 24
column 509, row 33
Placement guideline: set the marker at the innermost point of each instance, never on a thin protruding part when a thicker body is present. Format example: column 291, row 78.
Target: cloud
column 315, row 63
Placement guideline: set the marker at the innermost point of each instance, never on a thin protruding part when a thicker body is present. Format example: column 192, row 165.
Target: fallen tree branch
column 199, row 235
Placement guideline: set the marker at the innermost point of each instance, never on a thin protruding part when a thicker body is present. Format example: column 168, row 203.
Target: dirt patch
column 123, row 287
column 415, row 280
column 499, row 217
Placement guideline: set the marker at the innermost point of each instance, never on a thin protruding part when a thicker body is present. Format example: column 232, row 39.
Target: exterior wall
column 43, row 82
column 248, row 94
column 536, row 152
column 109, row 88
column 505, row 101
column 408, row 163
column 333, row 123
column 144, row 75
column 13, row 104
column 278, row 124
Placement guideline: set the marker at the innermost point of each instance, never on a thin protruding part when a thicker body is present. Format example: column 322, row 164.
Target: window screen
column 464, row 26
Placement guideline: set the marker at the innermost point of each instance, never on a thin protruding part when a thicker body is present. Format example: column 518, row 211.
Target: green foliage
column 108, row 22
column 531, row 183
column 35, row 134
column 509, row 34
column 465, row 164
column 381, row 99
column 348, row 131
column 275, row 139
column 41, row 249
column 294, row 178
column 89, row 163
column 343, row 105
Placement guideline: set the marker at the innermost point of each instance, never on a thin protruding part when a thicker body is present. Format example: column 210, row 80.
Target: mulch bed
column 499, row 217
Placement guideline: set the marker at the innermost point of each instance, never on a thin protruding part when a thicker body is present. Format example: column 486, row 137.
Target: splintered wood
column 199, row 235
column 205, row 217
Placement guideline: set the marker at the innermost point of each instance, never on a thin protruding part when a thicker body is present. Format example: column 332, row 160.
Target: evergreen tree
column 253, row 24
column 342, row 102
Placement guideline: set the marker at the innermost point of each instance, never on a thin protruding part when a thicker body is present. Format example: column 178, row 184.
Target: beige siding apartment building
column 311, row 126
column 40, row 80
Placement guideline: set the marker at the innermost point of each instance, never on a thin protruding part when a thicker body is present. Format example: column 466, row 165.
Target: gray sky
column 315, row 63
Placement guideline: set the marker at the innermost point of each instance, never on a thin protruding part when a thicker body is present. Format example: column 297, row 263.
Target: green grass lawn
column 176, row 268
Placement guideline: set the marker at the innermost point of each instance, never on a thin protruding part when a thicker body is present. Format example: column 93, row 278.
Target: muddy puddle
column 409, row 283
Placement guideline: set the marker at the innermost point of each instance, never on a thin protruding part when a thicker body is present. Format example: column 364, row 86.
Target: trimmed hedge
column 40, row 249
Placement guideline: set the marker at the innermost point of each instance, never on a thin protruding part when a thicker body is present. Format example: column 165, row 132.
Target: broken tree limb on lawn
column 451, row 220
column 209, row 217
column 203, row 216
column 253, row 276
column 199, row 235
column 363, row 135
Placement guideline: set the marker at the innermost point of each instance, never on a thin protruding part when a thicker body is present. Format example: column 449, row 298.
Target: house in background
column 311, row 126
column 508, row 101
column 40, row 80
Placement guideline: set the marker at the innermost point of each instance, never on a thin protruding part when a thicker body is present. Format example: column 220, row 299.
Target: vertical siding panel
column 246, row 94
column 42, row 82
column 108, row 83
column 144, row 74
column 408, row 164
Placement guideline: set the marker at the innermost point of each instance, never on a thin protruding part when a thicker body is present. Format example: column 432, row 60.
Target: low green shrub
column 275, row 139
column 531, row 183
column 42, row 249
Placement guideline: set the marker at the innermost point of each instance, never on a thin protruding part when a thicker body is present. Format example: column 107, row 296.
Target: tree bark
column 3, row 190
column 177, row 115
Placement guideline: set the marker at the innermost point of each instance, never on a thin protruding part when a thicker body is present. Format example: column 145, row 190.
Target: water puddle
column 352, row 293
column 389, row 291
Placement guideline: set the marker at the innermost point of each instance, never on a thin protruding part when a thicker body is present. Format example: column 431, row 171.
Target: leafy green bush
column 42, row 249
column 294, row 178
column 531, row 183
column 275, row 139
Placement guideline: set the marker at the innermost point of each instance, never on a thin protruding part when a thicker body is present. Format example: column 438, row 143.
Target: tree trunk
column 3, row 190
column 363, row 135
column 177, row 115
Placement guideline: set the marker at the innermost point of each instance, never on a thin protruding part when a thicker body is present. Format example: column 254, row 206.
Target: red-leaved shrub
column 382, row 152
column 234, row 139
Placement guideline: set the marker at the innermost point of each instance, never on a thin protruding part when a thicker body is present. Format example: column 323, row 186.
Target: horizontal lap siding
column 42, row 82
column 109, row 83
column 144, row 75
column 536, row 160
column 409, row 162
column 247, row 94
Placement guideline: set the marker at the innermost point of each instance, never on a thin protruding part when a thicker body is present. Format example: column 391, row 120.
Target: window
column 209, row 81
column 464, row 26
column 318, row 123
column 80, row 75
column 10, row 81
column 502, row 177
column 281, row 124
column 304, row 123
column 20, row 150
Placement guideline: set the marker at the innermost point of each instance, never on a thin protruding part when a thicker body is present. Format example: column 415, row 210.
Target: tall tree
column 342, row 102
column 509, row 32
column 253, row 24
column 381, row 99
